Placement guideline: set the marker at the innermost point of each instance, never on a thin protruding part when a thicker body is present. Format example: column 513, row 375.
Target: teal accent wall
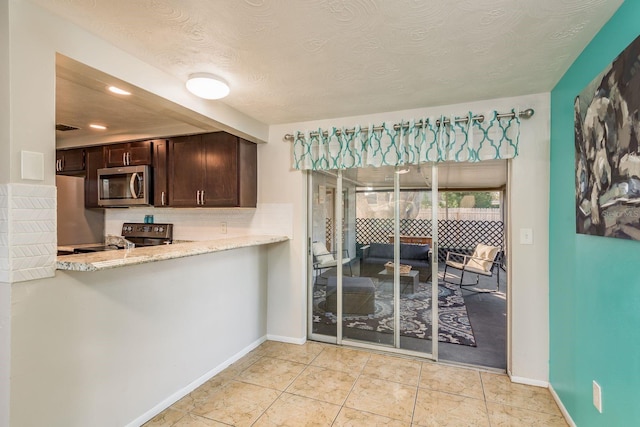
column 594, row 283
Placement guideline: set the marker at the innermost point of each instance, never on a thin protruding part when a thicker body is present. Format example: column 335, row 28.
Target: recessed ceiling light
column 100, row 127
column 207, row 86
column 118, row 91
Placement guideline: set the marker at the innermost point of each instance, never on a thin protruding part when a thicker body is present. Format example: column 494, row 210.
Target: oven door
column 125, row 186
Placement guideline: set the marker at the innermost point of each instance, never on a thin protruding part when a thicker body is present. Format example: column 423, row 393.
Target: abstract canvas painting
column 607, row 164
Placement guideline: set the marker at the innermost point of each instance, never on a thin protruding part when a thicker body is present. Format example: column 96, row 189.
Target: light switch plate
column 32, row 165
column 597, row 396
column 526, row 236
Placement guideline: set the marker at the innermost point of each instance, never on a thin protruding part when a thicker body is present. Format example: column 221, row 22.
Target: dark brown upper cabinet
column 94, row 160
column 70, row 162
column 212, row 170
column 160, row 172
column 135, row 153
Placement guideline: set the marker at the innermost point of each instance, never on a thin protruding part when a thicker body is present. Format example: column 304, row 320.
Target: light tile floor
column 318, row 384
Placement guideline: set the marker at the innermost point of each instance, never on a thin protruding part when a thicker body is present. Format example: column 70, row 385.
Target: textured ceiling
column 289, row 61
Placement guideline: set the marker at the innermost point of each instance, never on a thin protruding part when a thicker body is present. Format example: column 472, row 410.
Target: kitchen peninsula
column 97, row 261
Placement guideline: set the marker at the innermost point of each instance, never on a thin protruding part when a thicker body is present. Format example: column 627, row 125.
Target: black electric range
column 140, row 234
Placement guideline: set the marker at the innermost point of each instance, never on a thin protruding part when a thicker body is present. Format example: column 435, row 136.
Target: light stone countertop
column 97, row 261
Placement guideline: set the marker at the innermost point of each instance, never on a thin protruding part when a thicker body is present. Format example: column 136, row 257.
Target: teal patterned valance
column 457, row 139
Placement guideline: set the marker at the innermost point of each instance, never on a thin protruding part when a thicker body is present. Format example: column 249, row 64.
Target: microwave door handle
column 132, row 185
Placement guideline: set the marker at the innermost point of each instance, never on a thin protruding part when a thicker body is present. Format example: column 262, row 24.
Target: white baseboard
column 289, row 340
column 173, row 398
column 564, row 411
column 529, row 381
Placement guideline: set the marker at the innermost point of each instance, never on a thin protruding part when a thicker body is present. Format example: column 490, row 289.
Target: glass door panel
column 322, row 248
column 368, row 294
column 417, row 269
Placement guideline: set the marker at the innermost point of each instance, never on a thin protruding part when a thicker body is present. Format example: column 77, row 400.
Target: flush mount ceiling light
column 207, row 86
column 99, row 127
column 402, row 171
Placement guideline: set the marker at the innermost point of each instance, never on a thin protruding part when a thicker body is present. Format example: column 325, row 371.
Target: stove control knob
column 161, row 229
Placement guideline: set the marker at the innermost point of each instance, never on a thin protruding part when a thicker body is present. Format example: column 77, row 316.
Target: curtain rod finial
column 527, row 114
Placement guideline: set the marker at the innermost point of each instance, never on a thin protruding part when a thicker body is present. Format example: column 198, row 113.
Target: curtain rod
column 525, row 114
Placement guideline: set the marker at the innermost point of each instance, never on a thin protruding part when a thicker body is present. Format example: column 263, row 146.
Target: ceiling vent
column 64, row 128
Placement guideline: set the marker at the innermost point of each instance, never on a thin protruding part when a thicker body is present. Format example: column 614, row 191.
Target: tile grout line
column 415, row 400
column 281, row 391
column 289, row 385
column 344, row 403
column 484, row 396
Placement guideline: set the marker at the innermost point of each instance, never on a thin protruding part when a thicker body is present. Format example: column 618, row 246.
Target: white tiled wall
column 27, row 232
column 206, row 224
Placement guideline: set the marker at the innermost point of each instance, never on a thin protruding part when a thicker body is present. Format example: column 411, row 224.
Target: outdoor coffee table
column 408, row 281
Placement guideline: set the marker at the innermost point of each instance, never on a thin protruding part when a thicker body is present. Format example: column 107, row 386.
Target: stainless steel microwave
column 124, row 186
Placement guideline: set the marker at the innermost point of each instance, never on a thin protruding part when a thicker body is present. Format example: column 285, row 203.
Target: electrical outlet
column 223, row 227
column 597, row 396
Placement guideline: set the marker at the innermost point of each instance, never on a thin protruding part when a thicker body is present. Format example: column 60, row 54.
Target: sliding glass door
column 372, row 237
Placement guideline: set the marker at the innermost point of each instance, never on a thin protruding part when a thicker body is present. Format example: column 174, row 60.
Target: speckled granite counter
column 111, row 259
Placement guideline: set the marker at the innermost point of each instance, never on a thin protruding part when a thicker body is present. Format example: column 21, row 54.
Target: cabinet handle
column 198, row 197
column 128, row 159
column 57, row 165
column 202, row 197
column 162, row 198
column 124, row 159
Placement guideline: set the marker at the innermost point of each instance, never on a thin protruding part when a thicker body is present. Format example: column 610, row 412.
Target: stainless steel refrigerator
column 76, row 224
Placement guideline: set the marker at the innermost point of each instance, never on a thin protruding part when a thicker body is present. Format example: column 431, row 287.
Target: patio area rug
column 415, row 313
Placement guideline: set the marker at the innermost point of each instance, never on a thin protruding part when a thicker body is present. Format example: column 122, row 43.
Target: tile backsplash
column 207, row 224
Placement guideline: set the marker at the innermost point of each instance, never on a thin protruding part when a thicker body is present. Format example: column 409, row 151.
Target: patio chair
column 323, row 259
column 482, row 262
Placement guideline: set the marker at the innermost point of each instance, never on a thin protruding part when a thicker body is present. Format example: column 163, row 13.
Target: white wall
column 5, row 90
column 105, row 348
column 529, row 194
column 287, row 273
column 5, row 352
column 287, row 312
column 205, row 223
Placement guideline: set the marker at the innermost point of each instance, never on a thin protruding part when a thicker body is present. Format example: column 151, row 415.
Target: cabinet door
column 94, row 161
column 70, row 161
column 115, row 155
column 136, row 153
column 247, row 174
column 139, row 153
column 221, row 164
column 186, row 169
column 160, row 173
